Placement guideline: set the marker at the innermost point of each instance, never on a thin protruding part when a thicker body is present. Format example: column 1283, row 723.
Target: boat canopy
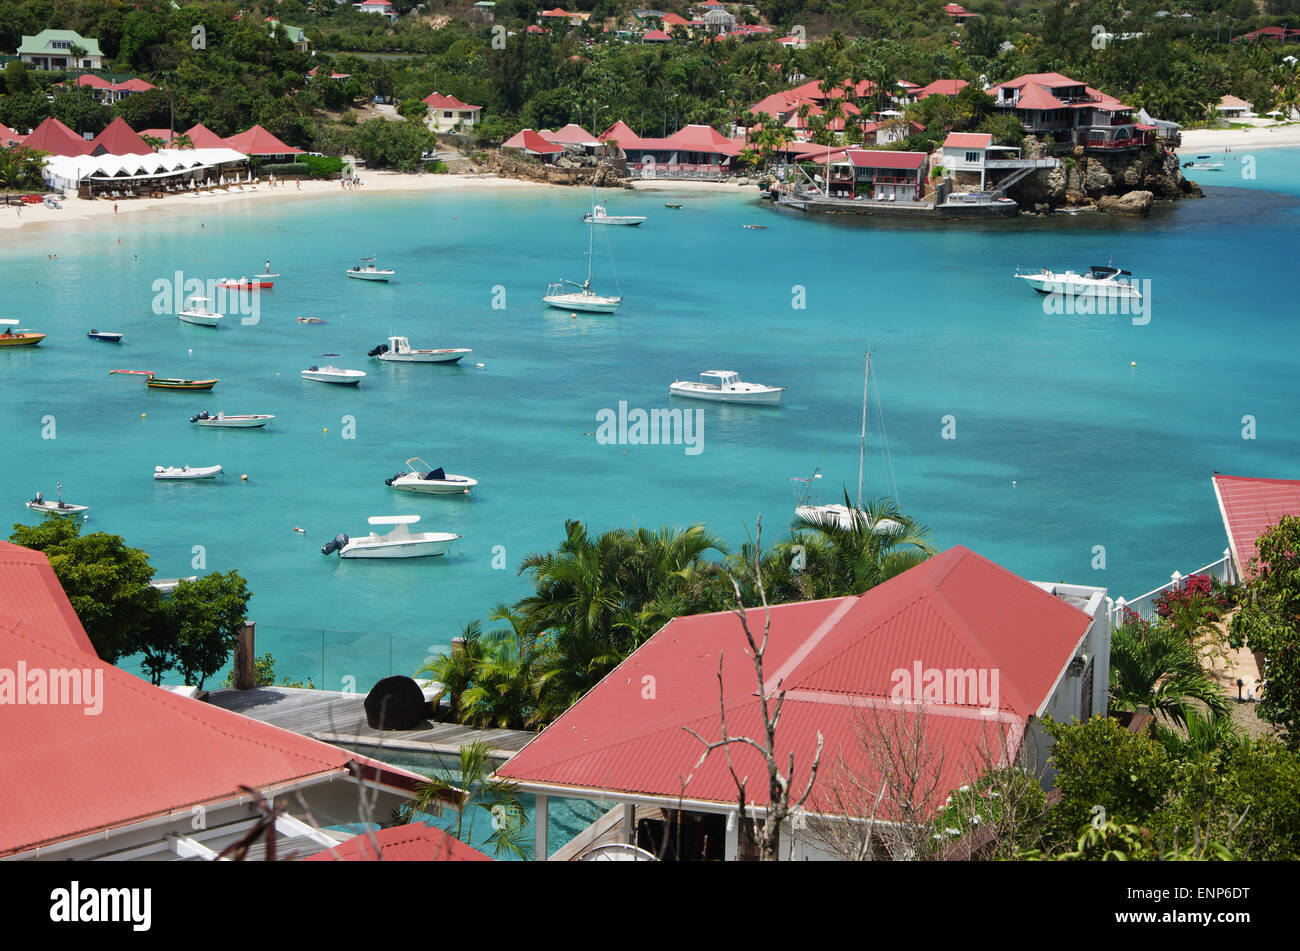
column 435, row 475
column 719, row 377
column 1102, row 270
column 393, row 519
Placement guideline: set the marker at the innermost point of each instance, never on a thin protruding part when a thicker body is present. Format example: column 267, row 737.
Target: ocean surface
column 1071, row 432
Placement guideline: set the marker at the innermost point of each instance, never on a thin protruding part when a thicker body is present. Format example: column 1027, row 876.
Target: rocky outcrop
column 603, row 176
column 1085, row 178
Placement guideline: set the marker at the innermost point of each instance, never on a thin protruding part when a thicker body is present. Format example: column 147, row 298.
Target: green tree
column 470, row 791
column 106, row 581
column 195, row 630
column 1158, row 667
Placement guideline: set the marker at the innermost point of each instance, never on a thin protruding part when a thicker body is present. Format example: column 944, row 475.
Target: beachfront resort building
column 1066, row 110
column 101, row 765
column 447, row 113
column 528, row 142
column 692, row 152
column 919, row 656
column 56, row 50
column 1231, row 107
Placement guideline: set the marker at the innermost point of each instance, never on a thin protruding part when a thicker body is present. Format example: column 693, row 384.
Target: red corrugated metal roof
column 1250, row 507
column 147, row 752
column 571, row 134
column 439, row 101
column 8, row 136
column 968, row 140
column 532, row 142
column 942, row 87
column 257, row 141
column 56, row 138
column 655, row 36
column 118, row 138
column 1034, row 96
column 408, row 843
column 837, row 659
column 868, row 158
column 205, row 138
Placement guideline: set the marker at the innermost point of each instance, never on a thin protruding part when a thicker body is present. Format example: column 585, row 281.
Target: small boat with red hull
column 156, row 382
column 247, row 283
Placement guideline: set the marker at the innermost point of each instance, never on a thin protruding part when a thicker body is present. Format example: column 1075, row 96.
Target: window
column 61, row 44
column 972, row 158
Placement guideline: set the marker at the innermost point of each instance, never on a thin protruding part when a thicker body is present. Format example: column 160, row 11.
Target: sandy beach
column 1241, row 140
column 77, row 211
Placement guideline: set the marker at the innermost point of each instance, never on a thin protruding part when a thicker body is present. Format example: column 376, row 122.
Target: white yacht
column 332, row 374
column 367, row 271
column 569, row 295
column 422, row 478
column 725, row 386
column 197, row 311
column 1099, row 281
column 398, row 350
column 599, row 216
column 401, row 542
column 222, row 421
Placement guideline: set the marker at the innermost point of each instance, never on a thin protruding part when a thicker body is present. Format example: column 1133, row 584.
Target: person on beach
column 114, row 207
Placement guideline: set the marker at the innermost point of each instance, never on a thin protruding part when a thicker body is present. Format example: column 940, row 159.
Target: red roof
column 408, row 843
column 118, row 138
column 8, row 136
column 870, row 158
column 529, row 140
column 571, row 134
column 146, row 753
column 968, row 140
column 835, row 658
column 942, row 87
column 134, row 85
column 655, row 36
column 93, row 81
column 56, row 138
column 257, row 141
column 1250, row 507
column 439, row 101
column 205, row 138
column 1036, row 97
column 672, row 19
column 534, row 28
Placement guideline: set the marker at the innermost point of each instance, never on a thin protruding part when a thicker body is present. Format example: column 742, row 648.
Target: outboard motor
column 334, row 544
column 382, row 348
column 394, row 478
column 202, row 415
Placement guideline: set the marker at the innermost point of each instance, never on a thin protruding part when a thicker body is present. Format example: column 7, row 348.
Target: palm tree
column 468, row 789
column 1157, row 667
column 1207, row 733
column 879, row 543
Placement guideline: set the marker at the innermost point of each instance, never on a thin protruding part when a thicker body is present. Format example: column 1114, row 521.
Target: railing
column 1133, row 142
column 706, row 173
column 1144, row 606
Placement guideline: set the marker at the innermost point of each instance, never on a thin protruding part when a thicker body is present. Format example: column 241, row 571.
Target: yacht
column 367, row 271
column 398, row 350
column 1099, row 280
column 422, row 478
column 725, row 386
column 401, row 542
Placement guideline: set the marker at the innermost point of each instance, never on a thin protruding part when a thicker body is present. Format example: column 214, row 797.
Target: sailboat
column 583, row 298
column 838, row 513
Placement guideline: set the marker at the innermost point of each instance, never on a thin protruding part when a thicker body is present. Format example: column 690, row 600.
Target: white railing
column 1145, row 605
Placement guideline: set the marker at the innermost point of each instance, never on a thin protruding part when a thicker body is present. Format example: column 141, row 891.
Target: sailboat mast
column 591, row 230
column 862, row 445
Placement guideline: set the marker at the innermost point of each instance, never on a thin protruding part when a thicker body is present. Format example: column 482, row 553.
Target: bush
column 322, row 166
column 287, row 169
column 1214, row 599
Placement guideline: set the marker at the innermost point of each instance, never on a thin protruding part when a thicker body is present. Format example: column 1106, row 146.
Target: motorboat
column 422, row 478
column 222, row 421
column 186, row 472
column 107, row 336
column 398, row 350
column 672, row 204
column 55, row 506
column 599, row 216
column 725, row 386
column 331, row 374
column 311, row 320
column 1203, row 166
column 367, row 271
column 1099, row 281
column 196, row 311
column 15, row 336
column 155, row 382
column 401, row 542
column 246, row 284
column 582, row 297
column 837, row 513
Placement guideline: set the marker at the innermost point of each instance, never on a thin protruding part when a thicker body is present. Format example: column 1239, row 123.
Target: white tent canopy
column 68, row 171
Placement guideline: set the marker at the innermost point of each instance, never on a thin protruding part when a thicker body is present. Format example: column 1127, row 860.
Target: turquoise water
column 1100, row 453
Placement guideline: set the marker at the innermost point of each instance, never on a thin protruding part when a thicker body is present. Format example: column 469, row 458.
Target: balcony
column 1135, row 141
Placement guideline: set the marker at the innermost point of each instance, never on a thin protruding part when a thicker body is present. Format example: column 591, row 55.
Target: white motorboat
column 725, row 386
column 331, row 374
column 1203, row 166
column 422, row 478
column 837, row 513
column 401, row 542
column 599, row 216
column 582, row 298
column 55, row 506
column 222, row 421
column 367, row 271
column 197, row 311
column 186, row 472
column 1099, row 281
column 398, row 350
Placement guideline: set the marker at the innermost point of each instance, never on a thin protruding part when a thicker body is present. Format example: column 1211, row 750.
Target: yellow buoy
column 142, row 415
column 1133, row 364
column 326, row 431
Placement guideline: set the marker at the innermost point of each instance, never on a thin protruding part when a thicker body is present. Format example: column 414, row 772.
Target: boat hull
column 767, row 396
column 235, row 422
column 201, row 320
column 628, row 220
column 426, row 356
column 434, row 486
column 53, row 508
column 591, row 304
column 1070, row 285
column 187, row 474
column 21, row 340
column 414, row 547
column 181, row 384
column 106, row 337
column 382, row 276
column 351, row 379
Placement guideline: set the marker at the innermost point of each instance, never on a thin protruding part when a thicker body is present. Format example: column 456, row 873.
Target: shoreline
column 1259, row 137
column 76, row 211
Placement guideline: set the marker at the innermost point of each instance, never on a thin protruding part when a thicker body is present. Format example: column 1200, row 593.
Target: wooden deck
column 341, row 718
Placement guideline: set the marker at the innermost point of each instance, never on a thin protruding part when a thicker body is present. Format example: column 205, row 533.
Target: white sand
column 1241, row 140
column 77, row 211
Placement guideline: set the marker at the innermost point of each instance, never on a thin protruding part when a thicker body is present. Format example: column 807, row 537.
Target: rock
column 1096, row 179
column 1135, row 204
column 1042, row 208
column 395, row 703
